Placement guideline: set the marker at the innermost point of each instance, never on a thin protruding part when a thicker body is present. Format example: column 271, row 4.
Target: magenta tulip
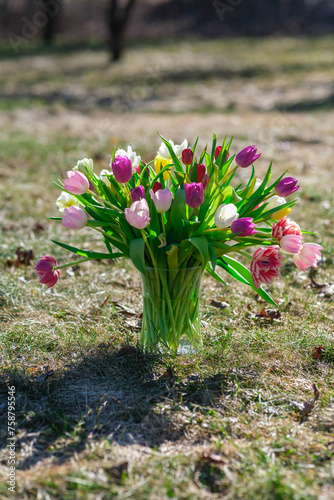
column 138, row 193
column 138, row 215
column 162, row 199
column 74, row 217
column 244, row 226
column 77, row 182
column 265, row 264
column 286, row 186
column 122, row 169
column 45, row 269
column 308, row 256
column 194, row 194
column 247, row 156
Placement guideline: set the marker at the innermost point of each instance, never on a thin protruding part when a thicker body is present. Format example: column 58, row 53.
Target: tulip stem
column 103, row 200
column 154, row 262
column 108, row 235
column 228, row 173
column 73, row 263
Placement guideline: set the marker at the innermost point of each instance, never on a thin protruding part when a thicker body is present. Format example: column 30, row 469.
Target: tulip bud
column 157, row 186
column 187, row 156
column 291, row 243
column 77, row 183
column 286, row 186
column 162, row 199
column 74, row 217
column 244, row 226
column 138, row 193
column 217, row 151
column 265, row 264
column 247, row 156
column 138, row 215
column 194, row 194
column 308, row 256
column 45, row 268
column 225, row 215
column 122, row 169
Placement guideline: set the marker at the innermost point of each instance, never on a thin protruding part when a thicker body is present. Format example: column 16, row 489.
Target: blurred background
column 78, row 77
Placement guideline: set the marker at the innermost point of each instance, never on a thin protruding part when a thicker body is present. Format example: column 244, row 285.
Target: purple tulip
column 244, row 226
column 138, row 215
column 162, row 199
column 74, row 217
column 194, row 194
column 286, row 186
column 247, row 156
column 76, row 183
column 138, row 193
column 122, row 169
column 45, row 269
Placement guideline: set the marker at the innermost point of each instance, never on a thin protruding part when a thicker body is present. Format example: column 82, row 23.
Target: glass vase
column 171, row 300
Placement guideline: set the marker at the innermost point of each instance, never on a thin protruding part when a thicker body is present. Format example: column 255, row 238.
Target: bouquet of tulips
column 178, row 216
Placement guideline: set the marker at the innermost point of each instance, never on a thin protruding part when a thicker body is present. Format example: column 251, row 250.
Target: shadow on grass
column 125, row 396
column 308, row 105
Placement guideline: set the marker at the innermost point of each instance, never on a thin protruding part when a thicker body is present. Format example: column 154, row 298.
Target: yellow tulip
column 281, row 213
column 160, row 163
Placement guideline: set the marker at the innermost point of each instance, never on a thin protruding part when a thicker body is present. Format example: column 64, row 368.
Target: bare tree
column 118, row 17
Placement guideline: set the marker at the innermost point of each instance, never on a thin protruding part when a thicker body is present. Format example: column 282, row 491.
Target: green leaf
column 178, row 211
column 88, row 253
column 137, row 254
column 177, row 163
column 212, row 256
column 246, row 274
column 201, row 244
column 214, row 274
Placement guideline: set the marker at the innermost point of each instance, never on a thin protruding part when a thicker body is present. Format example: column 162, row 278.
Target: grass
column 97, row 417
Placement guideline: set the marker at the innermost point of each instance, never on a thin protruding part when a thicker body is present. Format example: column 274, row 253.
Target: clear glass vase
column 171, row 300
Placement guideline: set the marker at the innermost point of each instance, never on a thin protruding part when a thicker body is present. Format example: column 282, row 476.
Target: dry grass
column 112, row 421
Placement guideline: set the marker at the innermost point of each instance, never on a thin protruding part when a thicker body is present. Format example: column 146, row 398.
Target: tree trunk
column 118, row 18
column 52, row 10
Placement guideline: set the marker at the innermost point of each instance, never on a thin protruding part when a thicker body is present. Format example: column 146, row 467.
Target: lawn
column 96, row 417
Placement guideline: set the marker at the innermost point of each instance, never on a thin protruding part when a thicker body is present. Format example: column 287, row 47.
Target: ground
column 98, row 418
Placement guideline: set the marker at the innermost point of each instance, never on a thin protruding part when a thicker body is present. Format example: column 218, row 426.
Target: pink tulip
column 244, row 226
column 74, row 217
column 247, row 156
column 187, row 156
column 265, row 264
column 138, row 214
column 122, row 169
column 308, row 256
column 45, row 269
column 138, row 193
column 194, row 194
column 286, row 186
column 162, row 199
column 77, row 182
column 291, row 243
column 284, row 227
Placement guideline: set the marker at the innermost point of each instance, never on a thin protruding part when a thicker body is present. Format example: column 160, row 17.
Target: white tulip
column 132, row 155
column 225, row 215
column 85, row 165
column 66, row 200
